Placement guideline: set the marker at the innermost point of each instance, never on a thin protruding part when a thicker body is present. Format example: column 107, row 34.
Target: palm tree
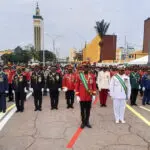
column 101, row 29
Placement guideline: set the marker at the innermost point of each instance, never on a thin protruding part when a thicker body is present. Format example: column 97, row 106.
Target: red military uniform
column 69, row 81
column 10, row 75
column 80, row 89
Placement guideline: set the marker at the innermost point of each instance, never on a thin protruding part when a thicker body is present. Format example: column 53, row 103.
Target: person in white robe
column 120, row 91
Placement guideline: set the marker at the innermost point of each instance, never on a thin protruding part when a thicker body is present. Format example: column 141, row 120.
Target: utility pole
column 43, row 47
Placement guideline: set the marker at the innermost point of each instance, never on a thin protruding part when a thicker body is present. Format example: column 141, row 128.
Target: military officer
column 103, row 81
column 85, row 91
column 37, row 86
column 135, row 85
column 3, row 90
column 69, row 86
column 120, row 90
column 20, row 88
column 146, row 88
column 54, row 85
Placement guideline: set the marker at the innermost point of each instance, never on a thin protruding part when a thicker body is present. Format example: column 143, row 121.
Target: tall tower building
column 38, row 29
column 146, row 44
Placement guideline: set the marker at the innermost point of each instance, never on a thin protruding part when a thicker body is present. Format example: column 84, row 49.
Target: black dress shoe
column 88, row 125
column 35, row 109
column 56, row 108
column 68, row 107
column 52, row 108
column 82, row 126
column 17, row 111
column 101, row 105
column 71, row 106
column 40, row 109
column 105, row 105
column 135, row 104
column 4, row 111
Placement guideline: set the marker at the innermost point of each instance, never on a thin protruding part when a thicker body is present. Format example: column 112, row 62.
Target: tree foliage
column 101, row 29
column 24, row 56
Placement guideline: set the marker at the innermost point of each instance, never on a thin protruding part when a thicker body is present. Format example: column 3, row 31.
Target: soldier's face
column 53, row 69
column 121, row 72
column 86, row 68
column 70, row 70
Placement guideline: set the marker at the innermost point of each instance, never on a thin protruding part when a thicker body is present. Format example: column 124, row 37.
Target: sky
column 71, row 22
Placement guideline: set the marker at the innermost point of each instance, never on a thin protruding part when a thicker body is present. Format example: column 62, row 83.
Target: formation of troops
column 81, row 82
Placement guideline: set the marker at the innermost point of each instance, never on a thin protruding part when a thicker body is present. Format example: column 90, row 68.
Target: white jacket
column 116, row 89
column 103, row 80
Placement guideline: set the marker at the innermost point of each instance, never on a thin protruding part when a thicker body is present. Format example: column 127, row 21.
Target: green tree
column 49, row 56
column 101, row 29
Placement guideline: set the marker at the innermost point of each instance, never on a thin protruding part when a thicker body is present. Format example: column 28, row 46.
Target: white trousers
column 119, row 108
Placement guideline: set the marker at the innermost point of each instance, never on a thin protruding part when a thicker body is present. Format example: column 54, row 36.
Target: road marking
column 5, row 120
column 74, row 138
column 142, row 107
column 8, row 109
column 12, row 110
column 78, row 132
column 138, row 115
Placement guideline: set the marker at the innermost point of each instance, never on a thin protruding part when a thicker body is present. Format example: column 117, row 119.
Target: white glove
column 31, row 89
column 139, row 87
column 47, row 90
column 25, row 90
column 65, row 89
column 78, row 99
column 93, row 99
column 6, row 92
column 13, row 91
column 42, row 89
column 59, row 89
column 143, row 89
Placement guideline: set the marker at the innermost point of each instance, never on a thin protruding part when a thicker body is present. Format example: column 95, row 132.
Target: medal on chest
column 20, row 78
column 39, row 79
column 57, row 77
column 1, row 78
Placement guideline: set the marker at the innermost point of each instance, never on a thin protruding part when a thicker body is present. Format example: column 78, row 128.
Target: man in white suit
column 103, row 81
column 120, row 91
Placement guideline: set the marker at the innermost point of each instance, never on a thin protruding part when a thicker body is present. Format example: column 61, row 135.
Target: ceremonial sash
column 123, row 84
column 82, row 77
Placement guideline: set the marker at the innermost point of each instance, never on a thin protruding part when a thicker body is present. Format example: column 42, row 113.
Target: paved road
column 52, row 130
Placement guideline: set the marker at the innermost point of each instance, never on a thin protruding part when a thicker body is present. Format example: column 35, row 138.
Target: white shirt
column 103, row 80
column 116, row 89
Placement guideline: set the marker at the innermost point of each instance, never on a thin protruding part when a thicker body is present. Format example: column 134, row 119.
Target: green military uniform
column 135, row 83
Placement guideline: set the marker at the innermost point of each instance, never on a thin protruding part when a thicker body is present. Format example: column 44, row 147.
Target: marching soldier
column 120, row 90
column 19, row 87
column 85, row 92
column 37, row 86
column 135, row 84
column 54, row 84
column 3, row 90
column 69, row 86
column 146, row 88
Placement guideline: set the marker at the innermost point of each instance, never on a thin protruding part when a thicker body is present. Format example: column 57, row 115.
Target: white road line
column 144, row 108
column 10, row 114
column 5, row 120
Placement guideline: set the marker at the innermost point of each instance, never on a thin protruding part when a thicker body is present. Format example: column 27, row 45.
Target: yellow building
column 5, row 52
column 72, row 54
column 92, row 50
column 137, row 54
